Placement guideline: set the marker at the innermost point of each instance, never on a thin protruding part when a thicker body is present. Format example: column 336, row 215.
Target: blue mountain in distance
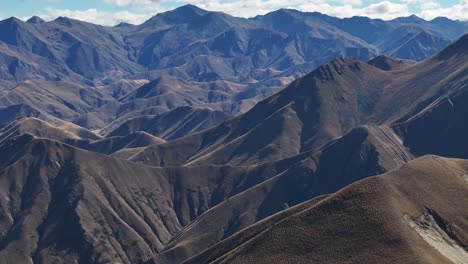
column 190, row 43
column 232, row 62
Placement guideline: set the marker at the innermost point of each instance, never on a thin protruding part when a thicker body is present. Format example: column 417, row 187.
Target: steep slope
column 320, row 107
column 99, row 190
column 53, row 195
column 439, row 127
column 413, row 214
column 11, row 113
column 62, row 100
column 120, row 88
column 64, row 132
column 111, row 145
column 63, row 49
column 80, row 47
column 195, row 57
column 173, row 124
column 364, row 152
column 76, row 136
column 278, row 126
column 163, row 95
column 420, row 46
column 388, row 63
column 169, row 92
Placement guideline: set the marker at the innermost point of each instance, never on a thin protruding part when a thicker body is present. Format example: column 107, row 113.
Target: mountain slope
column 202, row 46
column 64, row 187
column 388, row 63
column 100, row 190
column 364, row 152
column 413, row 214
column 419, row 47
column 52, row 196
column 62, row 100
column 76, row 136
column 320, row 107
column 173, row 124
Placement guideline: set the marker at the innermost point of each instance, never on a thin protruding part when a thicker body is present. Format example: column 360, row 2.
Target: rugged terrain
column 195, row 57
column 177, row 142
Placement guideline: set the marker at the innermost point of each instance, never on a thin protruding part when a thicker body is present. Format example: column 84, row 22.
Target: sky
column 112, row 12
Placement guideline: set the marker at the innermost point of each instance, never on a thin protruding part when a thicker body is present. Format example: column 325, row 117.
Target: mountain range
column 198, row 137
column 234, row 61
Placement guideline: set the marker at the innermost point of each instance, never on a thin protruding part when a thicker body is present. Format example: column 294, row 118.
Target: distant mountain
column 62, row 100
column 77, row 136
column 191, row 44
column 320, row 107
column 418, row 46
column 173, row 124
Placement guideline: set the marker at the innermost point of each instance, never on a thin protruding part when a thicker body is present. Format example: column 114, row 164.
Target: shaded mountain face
column 388, row 63
column 418, row 46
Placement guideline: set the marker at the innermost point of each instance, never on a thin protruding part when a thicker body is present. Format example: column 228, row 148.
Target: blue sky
column 110, row 12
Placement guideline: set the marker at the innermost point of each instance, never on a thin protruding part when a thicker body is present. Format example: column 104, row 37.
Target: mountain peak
column 35, row 20
column 386, row 63
column 12, row 20
column 124, row 25
column 409, row 19
column 13, row 30
column 441, row 19
column 64, row 21
column 185, row 13
column 190, row 8
column 182, row 14
column 283, row 12
column 335, row 68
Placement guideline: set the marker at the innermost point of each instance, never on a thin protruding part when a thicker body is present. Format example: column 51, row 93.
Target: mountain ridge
column 227, row 48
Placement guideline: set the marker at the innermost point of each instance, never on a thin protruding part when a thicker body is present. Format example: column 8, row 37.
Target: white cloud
column 95, row 16
column 340, row 8
column 458, row 11
column 141, row 10
column 122, row 3
column 387, row 9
